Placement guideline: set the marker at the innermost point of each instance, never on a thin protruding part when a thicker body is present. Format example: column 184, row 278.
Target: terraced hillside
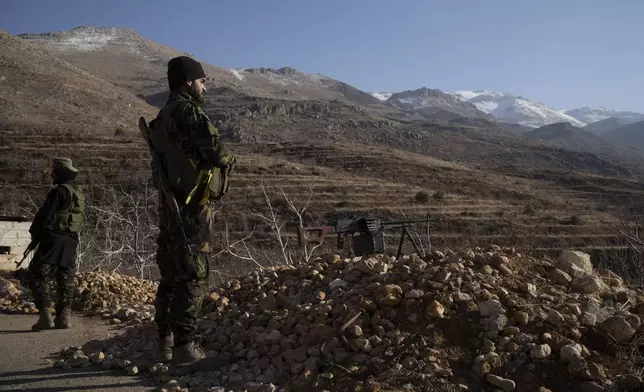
column 525, row 209
column 510, row 206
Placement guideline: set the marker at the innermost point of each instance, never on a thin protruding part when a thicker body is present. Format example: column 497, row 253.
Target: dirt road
column 24, row 355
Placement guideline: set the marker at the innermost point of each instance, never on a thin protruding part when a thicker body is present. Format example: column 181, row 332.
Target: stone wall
column 14, row 239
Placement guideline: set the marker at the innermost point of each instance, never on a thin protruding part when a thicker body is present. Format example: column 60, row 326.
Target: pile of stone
column 100, row 290
column 516, row 322
column 109, row 294
column 13, row 299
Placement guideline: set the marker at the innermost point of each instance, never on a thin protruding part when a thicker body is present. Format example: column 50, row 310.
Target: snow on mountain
column 591, row 114
column 83, row 38
column 283, row 76
column 237, row 73
column 429, row 102
column 513, row 108
column 308, row 85
column 381, row 96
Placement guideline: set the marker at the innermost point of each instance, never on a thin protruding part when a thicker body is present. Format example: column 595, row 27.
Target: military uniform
column 194, row 161
column 55, row 228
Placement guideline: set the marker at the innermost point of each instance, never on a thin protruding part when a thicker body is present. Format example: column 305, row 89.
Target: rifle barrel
column 392, row 223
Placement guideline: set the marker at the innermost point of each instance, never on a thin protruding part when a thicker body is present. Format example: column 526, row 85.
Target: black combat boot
column 186, row 354
column 164, row 349
column 63, row 320
column 44, row 322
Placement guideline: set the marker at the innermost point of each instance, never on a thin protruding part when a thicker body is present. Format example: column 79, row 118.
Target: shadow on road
column 13, row 331
column 59, row 377
column 101, row 387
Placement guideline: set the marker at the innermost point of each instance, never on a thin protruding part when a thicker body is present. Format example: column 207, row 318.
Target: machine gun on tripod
column 366, row 234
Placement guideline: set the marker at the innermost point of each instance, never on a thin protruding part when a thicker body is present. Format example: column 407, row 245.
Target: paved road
column 23, row 356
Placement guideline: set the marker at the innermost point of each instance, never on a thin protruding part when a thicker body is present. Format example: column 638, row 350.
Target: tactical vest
column 71, row 218
column 181, row 170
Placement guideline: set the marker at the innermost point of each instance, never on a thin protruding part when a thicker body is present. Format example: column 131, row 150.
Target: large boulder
column 618, row 328
column 588, row 284
column 569, row 259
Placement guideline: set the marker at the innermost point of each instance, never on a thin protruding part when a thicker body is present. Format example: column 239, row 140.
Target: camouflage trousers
column 42, row 277
column 184, row 277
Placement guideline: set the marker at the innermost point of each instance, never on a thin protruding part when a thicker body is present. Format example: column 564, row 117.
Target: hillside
column 630, row 135
column 40, row 90
column 574, row 138
column 121, row 56
column 604, row 126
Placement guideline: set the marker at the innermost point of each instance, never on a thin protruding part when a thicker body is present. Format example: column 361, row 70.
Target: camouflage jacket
column 196, row 135
column 189, row 146
column 45, row 220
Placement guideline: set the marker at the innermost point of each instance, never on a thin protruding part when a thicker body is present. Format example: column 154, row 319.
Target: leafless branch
column 275, row 225
column 230, row 248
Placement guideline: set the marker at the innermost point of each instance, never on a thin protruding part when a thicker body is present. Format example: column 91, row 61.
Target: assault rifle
column 168, row 196
column 369, row 238
column 32, row 245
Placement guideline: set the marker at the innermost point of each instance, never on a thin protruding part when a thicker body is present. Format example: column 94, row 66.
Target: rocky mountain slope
column 121, row 56
column 432, row 103
column 247, row 107
column 43, row 91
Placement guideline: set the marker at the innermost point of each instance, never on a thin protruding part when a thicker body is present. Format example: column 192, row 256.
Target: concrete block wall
column 14, row 239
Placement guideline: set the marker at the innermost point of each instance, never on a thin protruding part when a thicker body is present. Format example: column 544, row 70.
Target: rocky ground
column 478, row 319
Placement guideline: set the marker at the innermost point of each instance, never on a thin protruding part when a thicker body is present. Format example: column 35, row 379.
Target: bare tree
column 246, row 247
column 627, row 262
column 231, row 248
column 121, row 229
column 631, row 233
column 306, row 252
column 275, row 224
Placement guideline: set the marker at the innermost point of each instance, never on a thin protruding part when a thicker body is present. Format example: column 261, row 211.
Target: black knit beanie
column 183, row 69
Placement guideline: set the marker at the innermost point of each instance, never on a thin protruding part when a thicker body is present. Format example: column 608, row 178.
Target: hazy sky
column 564, row 53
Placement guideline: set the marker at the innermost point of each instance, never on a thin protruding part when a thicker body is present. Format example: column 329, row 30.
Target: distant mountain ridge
column 515, row 109
column 434, row 103
column 592, row 114
column 122, row 57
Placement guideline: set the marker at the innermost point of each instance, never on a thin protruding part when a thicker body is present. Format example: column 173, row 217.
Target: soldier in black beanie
column 183, row 69
column 194, row 161
column 187, row 73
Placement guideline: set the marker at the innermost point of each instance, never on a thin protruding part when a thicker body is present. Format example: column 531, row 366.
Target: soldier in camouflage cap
column 196, row 163
column 55, row 229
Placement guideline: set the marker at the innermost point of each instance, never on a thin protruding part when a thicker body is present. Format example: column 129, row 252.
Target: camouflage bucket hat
column 64, row 163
